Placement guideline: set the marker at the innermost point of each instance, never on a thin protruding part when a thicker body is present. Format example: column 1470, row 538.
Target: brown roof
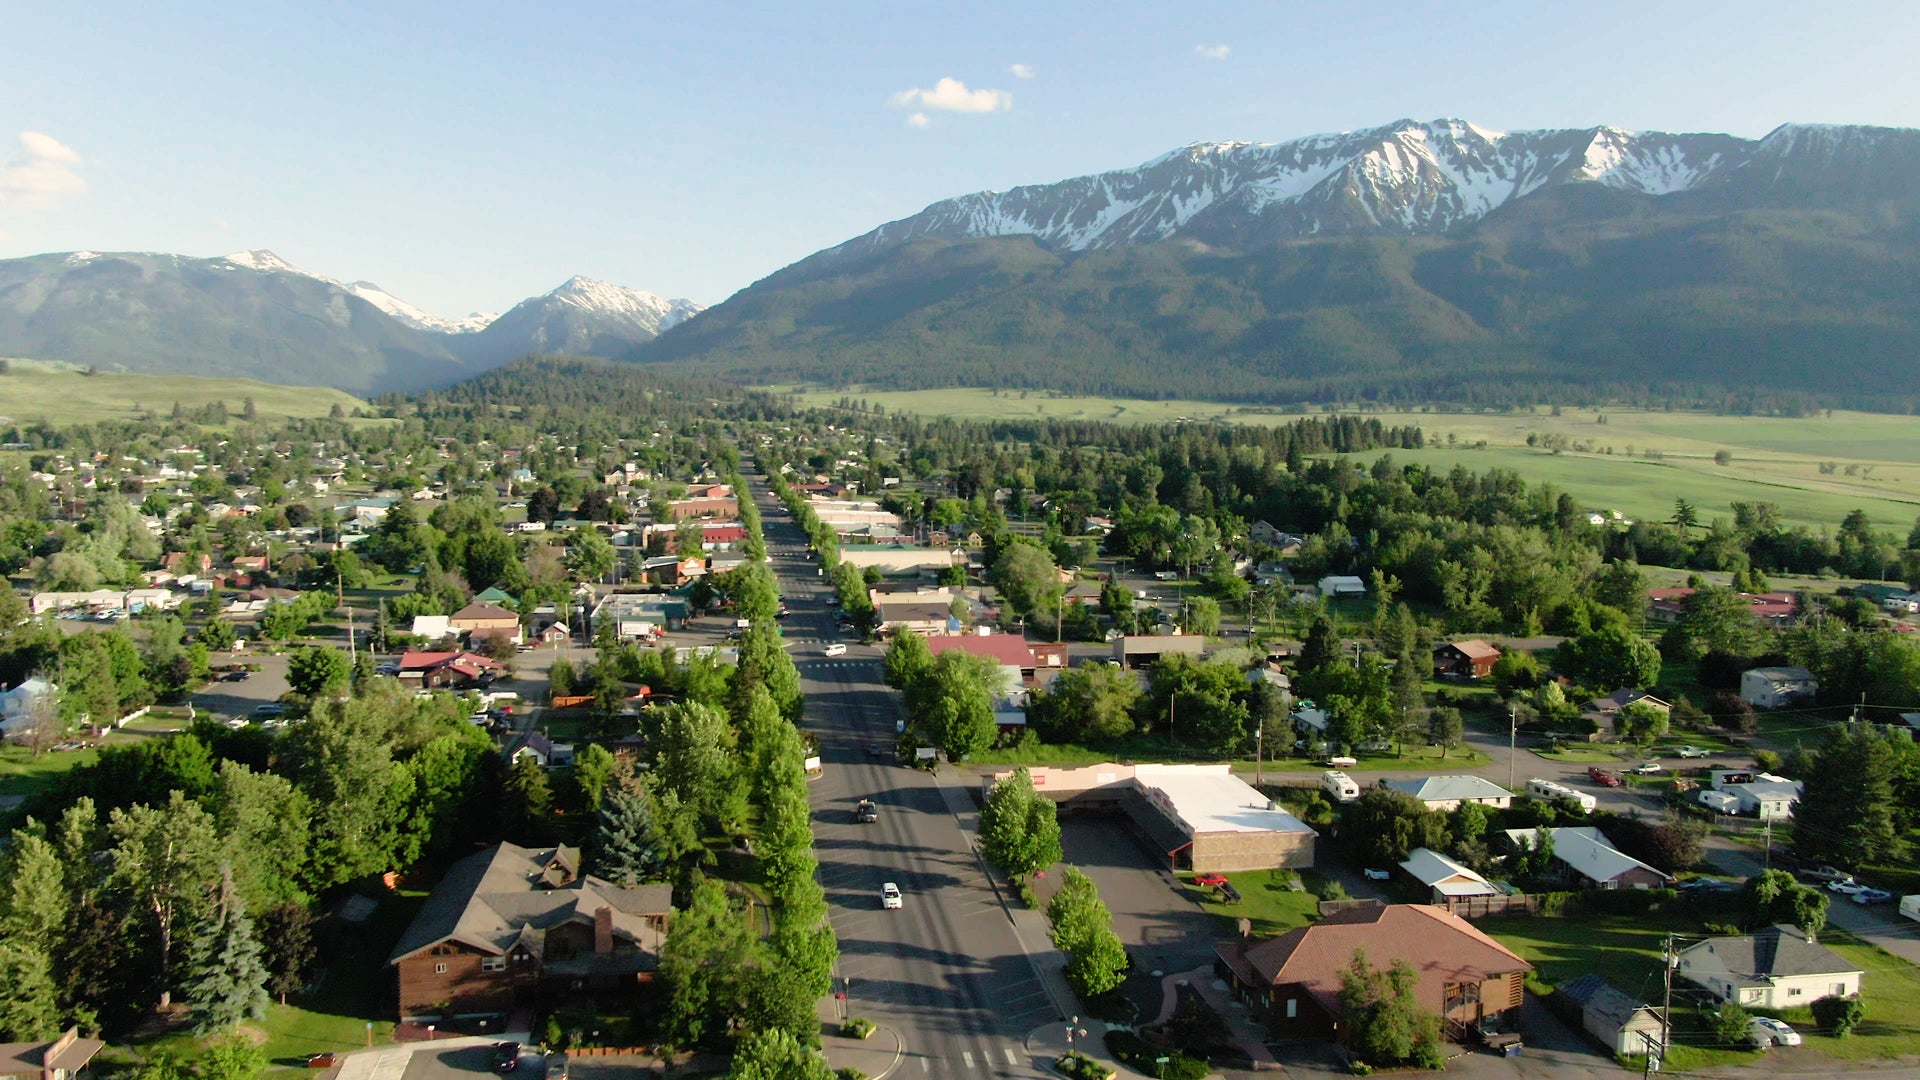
column 1009, row 650
column 481, row 610
column 1442, row 948
column 1475, row 650
column 69, row 1052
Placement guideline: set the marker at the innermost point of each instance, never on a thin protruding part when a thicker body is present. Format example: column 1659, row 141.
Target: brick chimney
column 603, row 930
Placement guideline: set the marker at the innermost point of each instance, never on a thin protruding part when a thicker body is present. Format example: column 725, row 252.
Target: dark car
column 236, row 676
column 876, row 750
column 506, row 1056
column 557, row 1065
column 865, row 812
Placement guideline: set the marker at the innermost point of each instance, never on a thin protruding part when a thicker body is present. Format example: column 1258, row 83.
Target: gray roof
column 1595, row 995
column 507, row 895
column 1448, row 788
column 1753, row 959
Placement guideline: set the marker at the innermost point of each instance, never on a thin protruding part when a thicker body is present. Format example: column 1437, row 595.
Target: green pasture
column 33, row 390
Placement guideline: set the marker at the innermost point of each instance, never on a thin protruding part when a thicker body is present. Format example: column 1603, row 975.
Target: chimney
column 603, row 930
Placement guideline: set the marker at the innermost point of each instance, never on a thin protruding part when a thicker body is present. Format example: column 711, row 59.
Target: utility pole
column 1767, row 863
column 1259, row 750
column 1513, row 739
column 1668, row 959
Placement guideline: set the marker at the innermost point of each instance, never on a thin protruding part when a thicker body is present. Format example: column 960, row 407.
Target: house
column 926, row 617
column 484, row 616
column 1469, row 980
column 1334, row 586
column 1444, row 879
column 1586, row 858
column 545, row 752
column 901, row 558
column 444, row 669
column 1285, row 543
column 1777, row 967
column 18, row 706
column 1620, row 1023
column 61, row 1059
column 554, row 634
column 508, row 923
column 1774, row 609
column 494, row 594
column 1143, row 650
column 1007, row 650
column 431, row 627
column 1605, row 711
column 1777, row 687
column 1465, row 659
column 1448, row 792
column 1762, row 795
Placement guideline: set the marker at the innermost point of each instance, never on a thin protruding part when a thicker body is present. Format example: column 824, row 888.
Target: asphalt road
column 945, row 970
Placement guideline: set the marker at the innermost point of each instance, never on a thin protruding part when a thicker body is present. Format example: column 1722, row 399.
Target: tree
column 907, row 660
column 233, row 1058
column 1321, row 648
column 1080, row 925
column 957, row 706
column 318, row 670
column 625, row 846
column 1385, row 1024
column 1445, row 728
column 1845, row 815
column 703, row 965
column 1019, row 829
column 1732, row 1024
column 1383, row 825
column 1640, row 723
column 560, row 677
column 589, row 555
column 1713, row 618
column 163, row 861
column 1027, row 577
column 286, row 940
column 1092, row 703
column 266, row 823
column 591, row 771
column 30, row 1008
column 1610, row 658
column 1838, row 1016
column 774, row 1054
column 1622, row 586
column 526, row 800
column 1775, row 897
column 1202, row 616
column 225, row 981
column 696, row 756
column 1517, row 670
column 218, row 634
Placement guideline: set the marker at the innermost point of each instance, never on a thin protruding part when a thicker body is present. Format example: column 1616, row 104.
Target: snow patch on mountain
column 418, row 318
column 605, row 298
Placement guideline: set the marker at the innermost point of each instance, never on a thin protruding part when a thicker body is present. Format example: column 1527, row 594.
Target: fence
column 1474, row 907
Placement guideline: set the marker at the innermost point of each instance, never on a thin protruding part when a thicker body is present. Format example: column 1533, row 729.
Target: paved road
column 946, row 971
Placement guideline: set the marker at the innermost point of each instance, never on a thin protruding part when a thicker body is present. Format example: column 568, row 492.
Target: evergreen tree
column 625, row 848
column 527, row 799
column 1846, row 814
column 1320, row 649
column 225, row 981
column 29, row 1006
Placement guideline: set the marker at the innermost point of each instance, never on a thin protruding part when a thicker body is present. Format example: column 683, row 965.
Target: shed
column 1605, row 1012
column 1445, row 879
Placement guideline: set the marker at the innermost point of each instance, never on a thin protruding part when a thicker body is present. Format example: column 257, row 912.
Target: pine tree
column 29, row 1009
column 527, row 799
column 226, row 978
column 625, row 847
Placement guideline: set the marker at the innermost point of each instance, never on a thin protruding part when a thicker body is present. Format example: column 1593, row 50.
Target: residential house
column 1605, row 711
column 554, row 634
column 486, row 620
column 59, row 1059
column 1469, row 980
column 508, row 923
column 1665, row 605
column 1776, row 967
column 494, row 594
column 545, row 752
column 1443, row 878
column 1757, row 794
column 19, row 705
column 1621, row 1024
column 1586, row 858
column 926, row 617
column 1448, row 792
column 1465, row 659
column 1262, row 532
column 444, row 669
column 431, row 628
column 1777, row 687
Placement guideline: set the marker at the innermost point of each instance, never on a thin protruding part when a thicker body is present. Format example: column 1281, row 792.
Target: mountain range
column 253, row 314
column 1412, row 260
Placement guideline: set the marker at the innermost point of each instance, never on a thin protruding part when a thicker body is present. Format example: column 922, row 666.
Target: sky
column 466, row 156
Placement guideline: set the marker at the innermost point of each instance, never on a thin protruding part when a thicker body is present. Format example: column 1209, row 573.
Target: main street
column 945, row 971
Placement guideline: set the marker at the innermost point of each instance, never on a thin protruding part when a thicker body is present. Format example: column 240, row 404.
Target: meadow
column 33, row 390
column 1817, row 469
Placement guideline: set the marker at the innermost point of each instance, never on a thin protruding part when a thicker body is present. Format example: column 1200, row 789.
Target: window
column 493, row 963
column 439, row 969
column 1794, row 991
column 1839, row 990
column 1293, row 1008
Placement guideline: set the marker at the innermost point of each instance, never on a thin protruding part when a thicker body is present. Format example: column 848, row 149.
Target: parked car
column 877, row 750
column 1826, row 873
column 236, row 676
column 1871, row 896
column 1647, row 768
column 271, row 708
column 890, row 896
column 1377, row 875
column 1848, row 887
column 1211, row 881
column 386, row 669
column 1770, row 1032
column 835, row 649
column 1690, row 752
column 1603, row 777
column 506, row 1056
column 865, row 812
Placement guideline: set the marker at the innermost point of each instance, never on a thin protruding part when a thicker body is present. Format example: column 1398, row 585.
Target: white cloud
column 952, row 95
column 1212, row 52
column 1020, row 71
column 917, row 120
column 44, row 172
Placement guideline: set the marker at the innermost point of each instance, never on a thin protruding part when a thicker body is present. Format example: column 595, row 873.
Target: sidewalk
column 876, row 1055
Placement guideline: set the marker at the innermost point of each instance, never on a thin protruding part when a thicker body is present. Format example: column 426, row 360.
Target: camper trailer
column 1910, row 906
column 1548, row 791
column 1339, row 785
column 1719, row 802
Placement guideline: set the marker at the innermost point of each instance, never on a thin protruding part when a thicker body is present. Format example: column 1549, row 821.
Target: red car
column 1603, row 778
column 1212, row 881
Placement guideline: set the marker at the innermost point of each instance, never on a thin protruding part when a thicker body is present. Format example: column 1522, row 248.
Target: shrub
column 1333, row 890
column 1075, row 1064
column 1732, row 1024
column 848, row 1073
column 857, row 1028
column 1838, row 1016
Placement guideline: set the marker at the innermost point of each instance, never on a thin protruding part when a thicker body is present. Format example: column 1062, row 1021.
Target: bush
column 1333, row 890
column 848, row 1073
column 1838, row 1016
column 857, row 1028
column 1024, row 887
column 1732, row 1024
column 1075, row 1064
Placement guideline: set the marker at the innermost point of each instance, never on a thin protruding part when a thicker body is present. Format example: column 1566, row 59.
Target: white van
column 1339, row 785
column 1910, row 906
column 835, row 649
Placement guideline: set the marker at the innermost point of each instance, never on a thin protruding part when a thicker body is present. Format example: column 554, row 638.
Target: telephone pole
column 1513, row 739
column 1668, row 958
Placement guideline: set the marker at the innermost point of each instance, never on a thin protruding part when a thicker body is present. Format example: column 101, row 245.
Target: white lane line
column 924, row 1067
column 1011, row 1059
column 968, row 1054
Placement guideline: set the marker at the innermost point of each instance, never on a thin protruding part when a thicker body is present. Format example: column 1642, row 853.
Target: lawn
column 23, row 774
column 1158, row 748
column 1266, row 900
column 34, row 389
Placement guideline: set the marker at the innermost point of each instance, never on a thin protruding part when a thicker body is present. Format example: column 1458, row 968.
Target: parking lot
column 1153, row 914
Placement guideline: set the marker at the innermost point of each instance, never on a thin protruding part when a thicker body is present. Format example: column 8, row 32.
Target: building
column 925, row 617
column 1334, row 586
column 896, row 559
column 1448, row 792
column 1777, row 967
column 1472, row 982
column 510, row 922
column 1465, row 659
column 1587, row 859
column 1142, row 650
column 1198, row 817
column 1007, row 650
column 444, row 669
column 725, row 506
column 1774, row 609
column 61, row 1059
column 18, row 706
column 640, row 615
column 1605, row 711
column 484, row 616
column 1445, row 879
column 1777, row 687
column 1617, row 1022
column 431, row 627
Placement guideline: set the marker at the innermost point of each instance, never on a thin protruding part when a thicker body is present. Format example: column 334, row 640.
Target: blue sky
column 465, row 156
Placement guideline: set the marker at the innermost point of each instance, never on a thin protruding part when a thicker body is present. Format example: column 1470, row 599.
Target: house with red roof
column 1774, row 608
column 1007, row 650
column 444, row 669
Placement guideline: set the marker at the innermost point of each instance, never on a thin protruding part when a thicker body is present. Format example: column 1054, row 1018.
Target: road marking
column 968, row 1054
column 1011, row 1059
column 924, row 1067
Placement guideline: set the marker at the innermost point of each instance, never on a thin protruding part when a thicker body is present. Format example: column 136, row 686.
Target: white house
column 17, row 705
column 1586, row 857
column 1445, row 879
column 1446, row 793
column 1777, row 687
column 431, row 627
column 1778, row 967
column 1766, row 799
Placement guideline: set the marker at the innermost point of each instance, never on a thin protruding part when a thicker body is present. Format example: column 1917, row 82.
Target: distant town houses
column 1665, row 605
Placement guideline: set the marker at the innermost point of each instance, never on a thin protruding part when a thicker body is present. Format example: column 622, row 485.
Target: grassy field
column 33, row 390
column 1816, row 468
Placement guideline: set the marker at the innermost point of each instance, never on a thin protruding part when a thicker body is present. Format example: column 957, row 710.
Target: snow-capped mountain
column 407, row 314
column 1403, row 178
column 583, row 317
